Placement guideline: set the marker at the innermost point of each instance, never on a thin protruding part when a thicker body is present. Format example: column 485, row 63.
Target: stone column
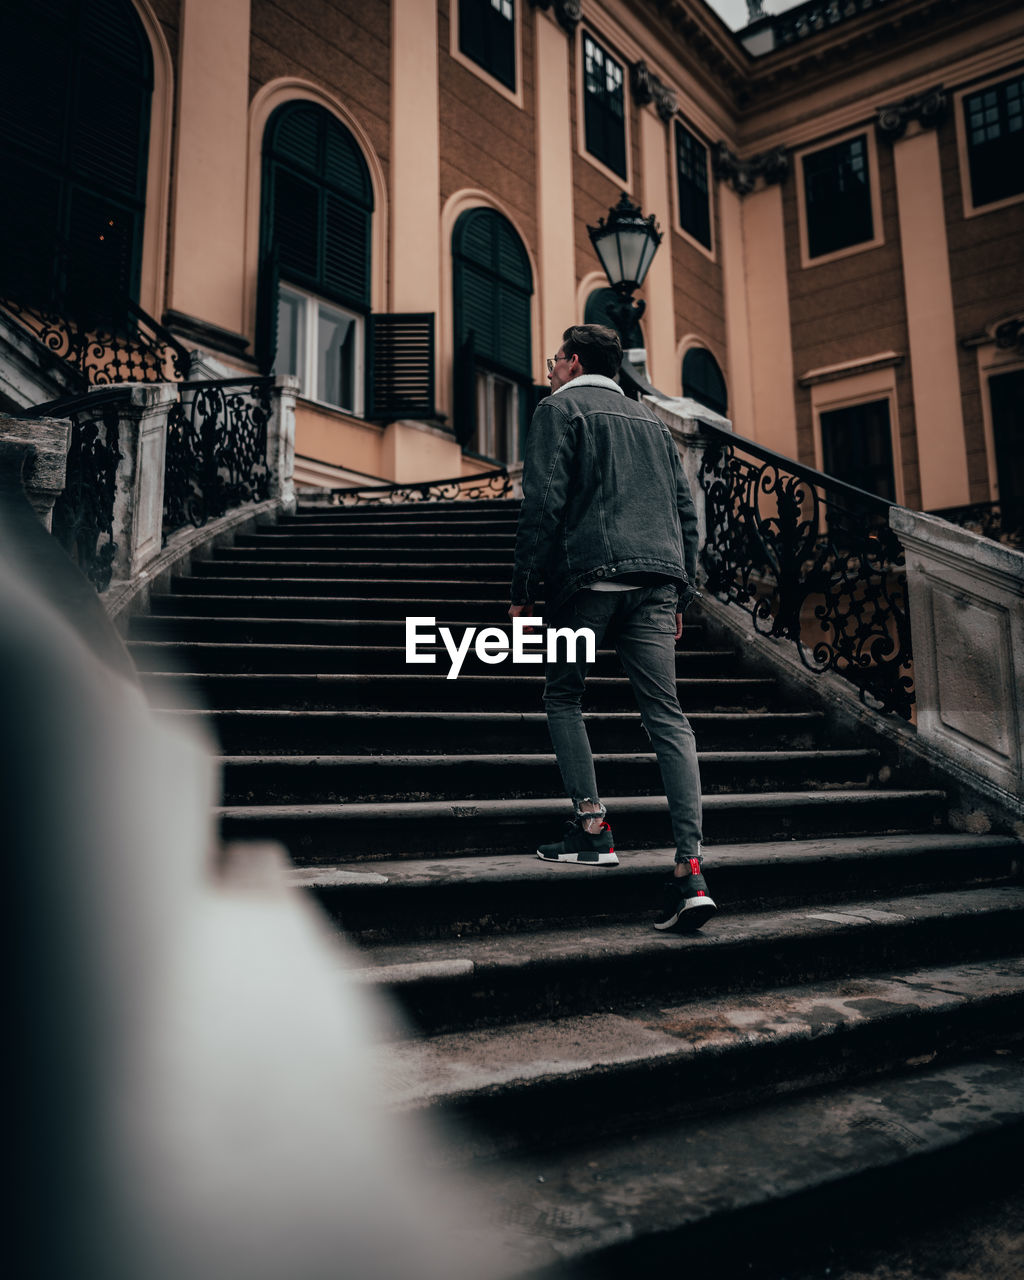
column 966, row 597
column 207, row 264
column 139, row 495
column 662, row 368
column 931, row 325
column 556, row 235
column 281, row 440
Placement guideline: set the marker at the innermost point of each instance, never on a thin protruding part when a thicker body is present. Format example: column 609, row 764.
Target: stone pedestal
column 45, row 472
column 966, row 596
column 281, row 440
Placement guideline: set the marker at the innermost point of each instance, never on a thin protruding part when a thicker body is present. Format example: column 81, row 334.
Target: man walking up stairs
column 842, row 1046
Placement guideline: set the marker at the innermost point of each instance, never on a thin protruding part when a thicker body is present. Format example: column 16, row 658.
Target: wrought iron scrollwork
column 812, row 561
column 995, row 520
column 134, row 349
column 83, row 515
column 216, row 450
column 484, row 485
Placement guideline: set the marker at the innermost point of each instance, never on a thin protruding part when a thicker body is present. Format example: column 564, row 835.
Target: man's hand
column 679, row 625
column 517, row 610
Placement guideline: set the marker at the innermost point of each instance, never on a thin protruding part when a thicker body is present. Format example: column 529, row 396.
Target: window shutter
column 400, row 368
column 266, row 311
column 464, row 416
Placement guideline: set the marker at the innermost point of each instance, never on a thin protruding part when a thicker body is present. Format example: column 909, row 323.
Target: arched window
column 703, row 381
column 597, row 312
column 493, row 286
column 76, row 83
column 317, row 207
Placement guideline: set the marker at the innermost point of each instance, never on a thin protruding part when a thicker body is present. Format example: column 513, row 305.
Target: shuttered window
column 604, row 106
column 856, row 446
column 692, row 186
column 487, row 35
column 317, row 204
column 837, row 190
column 493, row 286
column 703, row 381
column 76, row 84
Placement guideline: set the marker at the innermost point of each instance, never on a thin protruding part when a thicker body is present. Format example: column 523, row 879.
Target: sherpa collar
column 591, row 380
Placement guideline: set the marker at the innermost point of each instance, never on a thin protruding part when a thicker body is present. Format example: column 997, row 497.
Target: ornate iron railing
column 990, row 519
column 134, row 348
column 83, row 515
column 484, row 485
column 813, row 561
column 216, row 450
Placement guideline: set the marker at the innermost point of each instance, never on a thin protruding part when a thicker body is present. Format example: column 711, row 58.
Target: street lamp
column 626, row 243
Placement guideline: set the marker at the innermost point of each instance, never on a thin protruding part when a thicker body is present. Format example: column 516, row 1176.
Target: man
column 609, row 524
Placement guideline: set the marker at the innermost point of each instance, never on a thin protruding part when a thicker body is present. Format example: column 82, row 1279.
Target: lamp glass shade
column 626, row 244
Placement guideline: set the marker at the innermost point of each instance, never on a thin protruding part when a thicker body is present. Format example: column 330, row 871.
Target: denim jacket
column 604, row 495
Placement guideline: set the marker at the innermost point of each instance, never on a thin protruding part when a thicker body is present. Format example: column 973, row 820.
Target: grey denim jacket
column 604, row 495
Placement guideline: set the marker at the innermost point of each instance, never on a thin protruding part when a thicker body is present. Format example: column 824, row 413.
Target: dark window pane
column 995, row 141
column 487, row 35
column 856, row 447
column 837, row 191
column 493, row 287
column 604, row 107
column 1007, row 393
column 703, row 381
column 692, row 177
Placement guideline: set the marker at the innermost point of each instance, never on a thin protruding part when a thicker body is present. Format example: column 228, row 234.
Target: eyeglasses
column 553, row 360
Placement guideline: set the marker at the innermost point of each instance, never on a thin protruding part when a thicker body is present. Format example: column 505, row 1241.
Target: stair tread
column 417, row 961
column 562, row 1206
column 427, row 810
column 456, row 1065
column 498, row 869
column 535, row 758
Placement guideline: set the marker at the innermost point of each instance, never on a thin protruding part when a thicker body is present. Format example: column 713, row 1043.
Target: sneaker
column 582, row 848
column 687, row 904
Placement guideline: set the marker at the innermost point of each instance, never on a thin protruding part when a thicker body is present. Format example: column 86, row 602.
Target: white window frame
column 515, row 96
column 487, row 385
column 623, row 183
column 709, row 251
column 831, row 390
column 308, row 371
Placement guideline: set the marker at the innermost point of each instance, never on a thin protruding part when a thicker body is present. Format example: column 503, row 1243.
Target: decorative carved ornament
column 1010, row 333
column 648, row 88
column 928, row 109
column 568, row 12
column 742, row 175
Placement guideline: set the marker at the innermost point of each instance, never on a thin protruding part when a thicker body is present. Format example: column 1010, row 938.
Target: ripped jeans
column 641, row 625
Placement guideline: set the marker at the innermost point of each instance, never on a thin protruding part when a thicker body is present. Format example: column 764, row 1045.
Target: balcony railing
column 1001, row 523
column 474, row 488
column 813, row 561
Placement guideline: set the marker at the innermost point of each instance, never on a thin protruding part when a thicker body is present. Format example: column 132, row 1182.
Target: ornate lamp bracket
column 928, row 109
column 742, row 175
column 568, row 12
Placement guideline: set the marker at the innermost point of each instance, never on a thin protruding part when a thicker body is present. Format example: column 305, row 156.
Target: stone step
column 304, row 692
column 277, row 732
column 341, row 566
column 541, row 1083
column 411, row 593
column 448, row 984
column 735, row 1193
column 403, row 540
column 500, row 894
column 336, row 779
column 255, row 546
column 274, row 604
column 210, row 656
column 324, row 834
column 491, row 509
column 305, row 631
column 422, row 526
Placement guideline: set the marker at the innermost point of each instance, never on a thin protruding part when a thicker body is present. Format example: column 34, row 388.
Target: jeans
column 641, row 624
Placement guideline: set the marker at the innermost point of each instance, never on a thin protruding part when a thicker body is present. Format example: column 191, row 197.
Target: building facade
column 391, row 200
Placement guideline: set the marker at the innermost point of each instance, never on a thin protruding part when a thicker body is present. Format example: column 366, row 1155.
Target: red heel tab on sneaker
column 694, row 866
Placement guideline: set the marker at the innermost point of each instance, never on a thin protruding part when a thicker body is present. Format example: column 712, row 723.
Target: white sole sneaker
column 584, row 859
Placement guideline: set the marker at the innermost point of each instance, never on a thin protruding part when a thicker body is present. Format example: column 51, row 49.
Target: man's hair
column 598, row 347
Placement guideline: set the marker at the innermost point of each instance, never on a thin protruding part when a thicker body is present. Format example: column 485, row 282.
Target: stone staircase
column 843, row 1036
